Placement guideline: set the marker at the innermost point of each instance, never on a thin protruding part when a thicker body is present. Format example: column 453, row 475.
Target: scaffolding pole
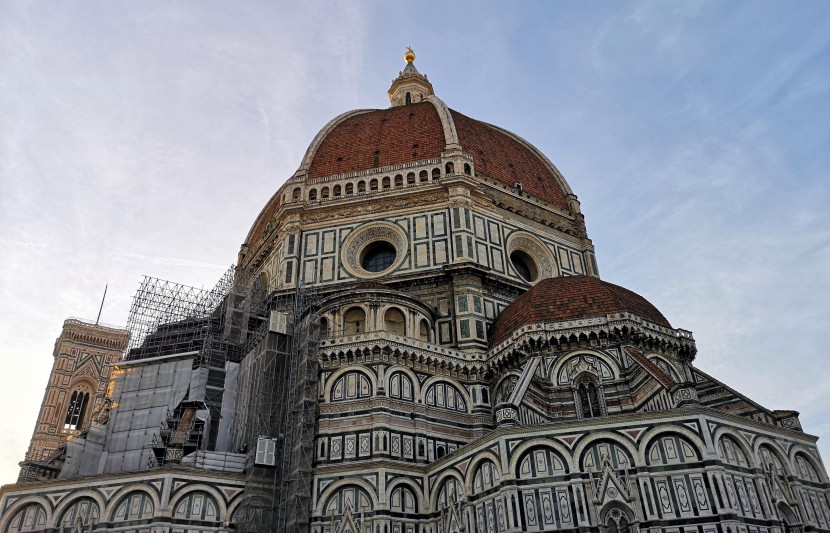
column 282, row 411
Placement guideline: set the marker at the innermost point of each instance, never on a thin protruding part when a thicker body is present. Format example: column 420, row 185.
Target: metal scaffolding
column 281, row 419
column 213, row 326
column 167, row 318
column 274, row 340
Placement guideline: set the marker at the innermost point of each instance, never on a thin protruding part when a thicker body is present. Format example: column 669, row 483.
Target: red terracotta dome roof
column 505, row 158
column 380, row 138
column 407, row 133
column 571, row 298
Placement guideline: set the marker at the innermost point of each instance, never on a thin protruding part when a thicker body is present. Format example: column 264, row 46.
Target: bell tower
column 75, row 394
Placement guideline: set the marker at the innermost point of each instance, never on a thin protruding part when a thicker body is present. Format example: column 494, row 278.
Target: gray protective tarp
column 226, row 420
column 144, row 396
column 84, row 453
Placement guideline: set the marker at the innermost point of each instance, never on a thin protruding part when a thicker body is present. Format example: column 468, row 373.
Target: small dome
column 572, row 298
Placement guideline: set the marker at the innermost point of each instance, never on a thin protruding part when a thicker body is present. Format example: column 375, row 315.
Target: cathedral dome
column 418, row 129
column 571, row 298
column 364, row 140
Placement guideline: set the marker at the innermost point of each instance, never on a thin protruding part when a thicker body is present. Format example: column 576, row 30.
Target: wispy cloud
column 143, row 139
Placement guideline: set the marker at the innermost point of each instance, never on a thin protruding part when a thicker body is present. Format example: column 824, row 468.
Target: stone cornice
column 436, row 413
column 100, row 336
column 586, row 425
column 608, row 324
column 420, row 354
column 123, row 478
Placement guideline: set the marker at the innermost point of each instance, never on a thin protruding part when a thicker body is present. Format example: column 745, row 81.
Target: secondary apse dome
column 572, row 298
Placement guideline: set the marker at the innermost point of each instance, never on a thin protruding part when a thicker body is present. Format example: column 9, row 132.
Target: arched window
column 337, row 190
column 349, row 497
column 296, row 194
column 31, row 517
column 83, row 511
column 324, row 192
column 788, row 518
column 541, row 462
column 373, row 184
column 617, row 522
column 769, row 460
column 485, row 396
column 423, row 330
column 671, row 450
column 398, row 180
column 731, row 453
column 408, row 98
column 445, row 396
column 588, row 397
column 134, row 506
column 351, row 386
column 440, row 451
column 595, row 456
column 387, row 183
column 76, row 410
column 423, row 176
column 403, row 500
column 449, row 168
column 436, row 173
column 349, row 188
column 486, row 477
column 324, row 327
column 355, row 321
column 468, row 170
column 361, row 186
column 394, row 321
column 197, row 506
column 410, row 178
column 805, row 468
column 450, row 493
column 312, row 195
column 400, row 386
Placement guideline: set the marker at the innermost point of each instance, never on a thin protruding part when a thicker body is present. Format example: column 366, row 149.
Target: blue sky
column 144, row 138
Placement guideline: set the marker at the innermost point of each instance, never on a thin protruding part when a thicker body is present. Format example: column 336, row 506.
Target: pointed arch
column 592, row 438
column 739, row 440
column 65, row 503
column 651, row 435
column 775, row 448
column 608, row 369
column 799, row 449
column 400, row 369
column 480, row 457
column 419, row 493
column 220, row 500
column 439, row 483
column 324, row 497
column 557, row 447
column 10, row 513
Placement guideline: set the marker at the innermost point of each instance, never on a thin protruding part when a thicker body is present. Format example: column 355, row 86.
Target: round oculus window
column 524, row 265
column 378, row 256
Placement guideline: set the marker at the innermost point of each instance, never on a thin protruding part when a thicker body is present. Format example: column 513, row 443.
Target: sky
column 143, row 138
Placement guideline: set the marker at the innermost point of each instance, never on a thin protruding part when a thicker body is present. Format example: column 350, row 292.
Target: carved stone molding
column 363, row 236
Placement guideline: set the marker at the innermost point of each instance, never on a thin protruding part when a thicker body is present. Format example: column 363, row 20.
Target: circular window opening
column 378, row 256
column 524, row 265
